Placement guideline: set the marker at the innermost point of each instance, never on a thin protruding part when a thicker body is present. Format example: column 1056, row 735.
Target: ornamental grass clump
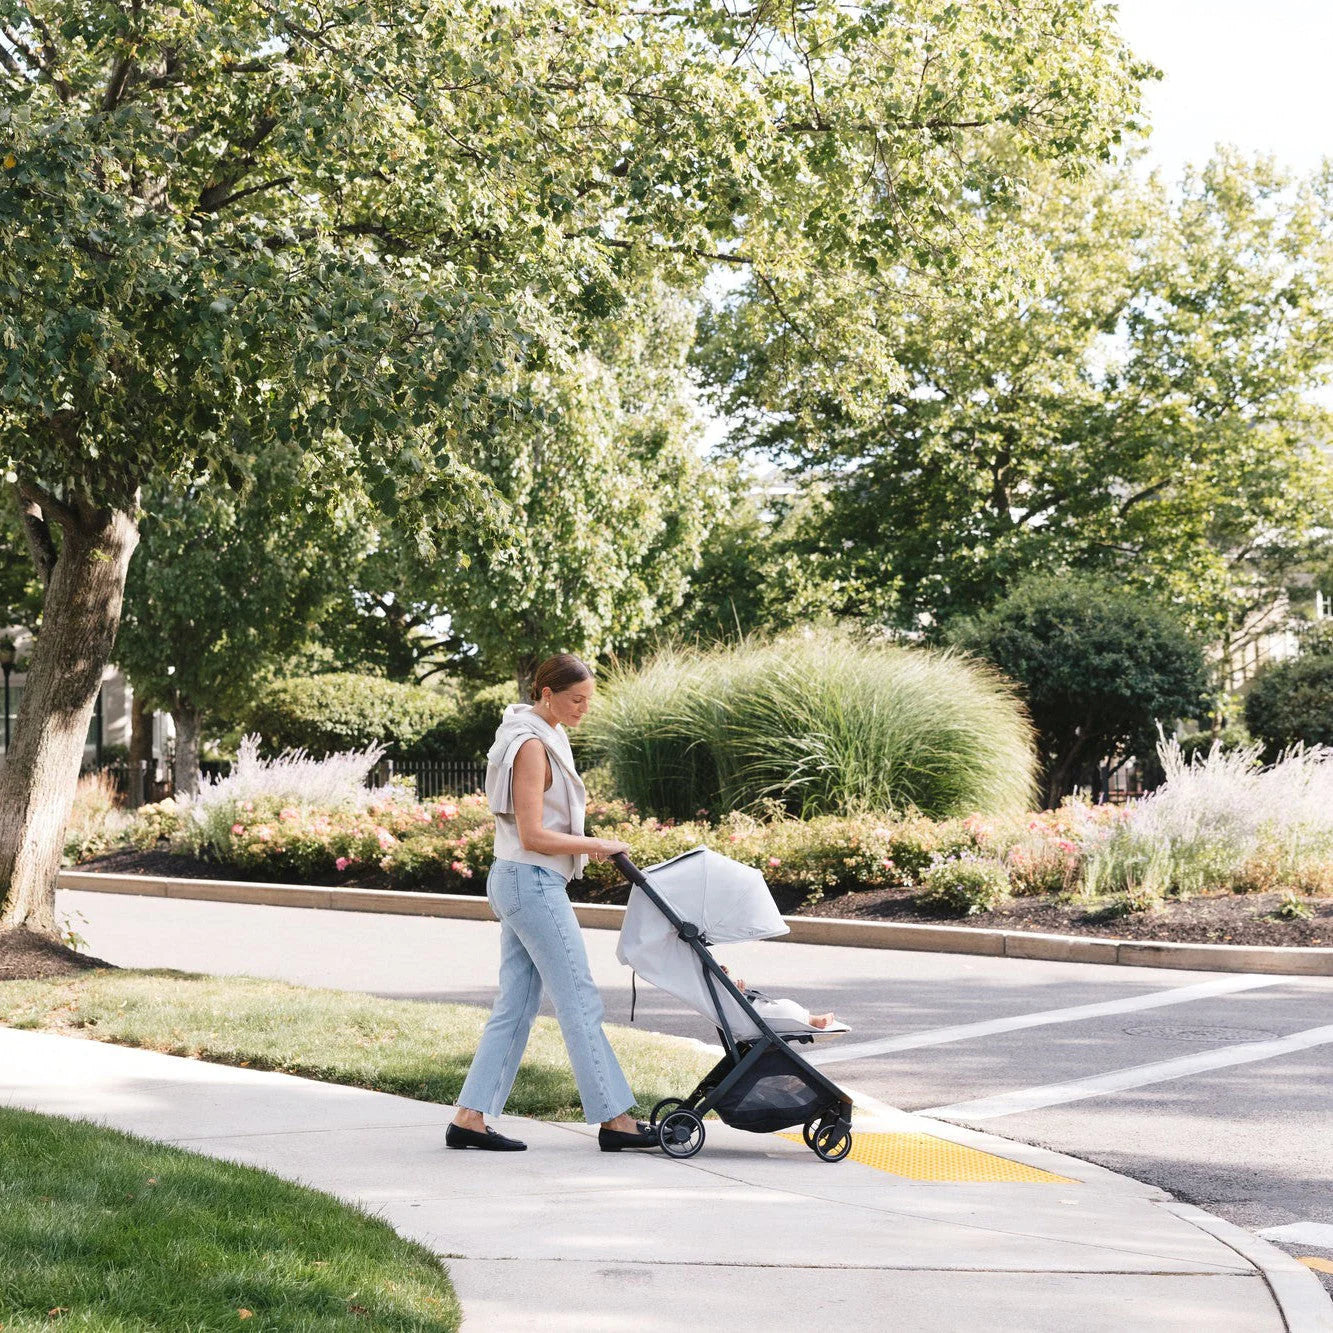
column 1221, row 822
column 819, row 721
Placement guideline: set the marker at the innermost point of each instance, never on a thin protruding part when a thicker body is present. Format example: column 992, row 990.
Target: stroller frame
column 679, row 1120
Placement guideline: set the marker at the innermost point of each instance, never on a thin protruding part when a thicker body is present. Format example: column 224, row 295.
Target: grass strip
column 412, row 1048
column 100, row 1230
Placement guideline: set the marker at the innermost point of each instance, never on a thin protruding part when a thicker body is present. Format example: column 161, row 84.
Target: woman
column 538, row 801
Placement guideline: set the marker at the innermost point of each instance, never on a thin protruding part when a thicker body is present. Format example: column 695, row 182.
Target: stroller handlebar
column 627, row 868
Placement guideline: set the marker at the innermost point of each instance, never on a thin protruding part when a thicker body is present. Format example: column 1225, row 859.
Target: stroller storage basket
column 773, row 1095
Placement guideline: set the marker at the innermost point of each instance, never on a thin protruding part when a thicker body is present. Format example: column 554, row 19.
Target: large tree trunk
column 188, row 721
column 1062, row 771
column 80, row 616
column 525, row 668
column 141, row 749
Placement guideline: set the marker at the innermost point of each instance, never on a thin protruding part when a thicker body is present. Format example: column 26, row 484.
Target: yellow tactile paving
column 1319, row 1265
column 924, row 1157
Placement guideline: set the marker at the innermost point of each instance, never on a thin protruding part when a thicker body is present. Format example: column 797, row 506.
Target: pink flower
column 386, row 863
column 447, row 810
column 421, row 815
column 466, row 872
column 734, row 837
column 457, row 867
column 773, row 861
column 384, row 837
column 1065, row 845
column 237, row 829
column 1034, row 823
column 342, row 863
column 263, row 833
column 287, row 812
column 700, row 814
column 247, row 805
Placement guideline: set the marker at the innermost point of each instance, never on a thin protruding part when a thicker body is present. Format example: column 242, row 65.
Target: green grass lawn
column 413, row 1048
column 103, row 1231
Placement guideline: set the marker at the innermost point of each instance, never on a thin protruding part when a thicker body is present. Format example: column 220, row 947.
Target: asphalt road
column 1218, row 1088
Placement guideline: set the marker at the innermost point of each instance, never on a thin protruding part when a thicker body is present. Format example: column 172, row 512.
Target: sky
column 1254, row 73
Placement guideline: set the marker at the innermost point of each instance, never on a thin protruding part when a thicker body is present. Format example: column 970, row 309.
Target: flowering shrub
column 150, row 824
column 965, row 884
column 1219, row 823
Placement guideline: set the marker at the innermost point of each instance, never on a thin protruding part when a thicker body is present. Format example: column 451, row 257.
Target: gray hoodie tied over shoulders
column 564, row 803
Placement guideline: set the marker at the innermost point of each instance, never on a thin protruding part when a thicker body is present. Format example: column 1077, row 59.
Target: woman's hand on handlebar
column 603, row 849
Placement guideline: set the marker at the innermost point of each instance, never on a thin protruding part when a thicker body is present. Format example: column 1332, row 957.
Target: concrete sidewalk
column 753, row 1232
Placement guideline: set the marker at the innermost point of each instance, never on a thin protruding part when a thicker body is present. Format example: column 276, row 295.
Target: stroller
column 761, row 1084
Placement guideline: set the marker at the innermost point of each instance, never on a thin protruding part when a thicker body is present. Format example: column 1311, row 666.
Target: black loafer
column 458, row 1137
column 613, row 1140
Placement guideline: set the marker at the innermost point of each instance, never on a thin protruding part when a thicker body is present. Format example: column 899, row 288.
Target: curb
column 1293, row 961
column 1300, row 1296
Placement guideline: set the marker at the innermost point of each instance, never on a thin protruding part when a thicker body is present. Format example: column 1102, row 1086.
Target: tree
column 223, row 591
column 1141, row 409
column 609, row 496
column 1291, row 702
column 226, row 228
column 1099, row 668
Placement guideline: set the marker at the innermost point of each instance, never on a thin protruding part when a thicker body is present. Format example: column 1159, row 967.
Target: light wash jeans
column 540, row 944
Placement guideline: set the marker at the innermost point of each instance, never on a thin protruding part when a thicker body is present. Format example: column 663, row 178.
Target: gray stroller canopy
column 728, row 901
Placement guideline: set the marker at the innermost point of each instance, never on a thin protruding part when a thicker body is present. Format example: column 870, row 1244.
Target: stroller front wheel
column 833, row 1141
column 681, row 1133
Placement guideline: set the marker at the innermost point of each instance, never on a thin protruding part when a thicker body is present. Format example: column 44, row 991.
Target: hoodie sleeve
column 500, row 774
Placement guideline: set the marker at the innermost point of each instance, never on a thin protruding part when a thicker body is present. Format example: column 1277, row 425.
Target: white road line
column 1318, row 1234
column 1138, row 1076
column 858, row 1050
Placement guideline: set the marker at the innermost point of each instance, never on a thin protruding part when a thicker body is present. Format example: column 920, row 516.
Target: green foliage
column 341, row 711
column 1291, row 702
column 104, row 1231
column 468, row 732
column 1099, row 667
column 609, row 498
column 223, row 589
column 1291, row 908
column 1142, row 402
column 964, row 885
column 817, row 721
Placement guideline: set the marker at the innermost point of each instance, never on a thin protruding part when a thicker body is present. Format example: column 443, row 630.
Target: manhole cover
column 1200, row 1032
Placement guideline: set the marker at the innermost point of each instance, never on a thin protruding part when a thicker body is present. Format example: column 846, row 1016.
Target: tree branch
column 36, row 530
column 207, row 204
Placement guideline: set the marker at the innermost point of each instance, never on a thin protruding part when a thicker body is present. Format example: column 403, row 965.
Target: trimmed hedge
column 343, row 711
column 1292, row 701
column 468, row 732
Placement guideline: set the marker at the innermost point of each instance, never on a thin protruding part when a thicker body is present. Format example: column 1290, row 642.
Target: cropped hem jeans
column 541, row 945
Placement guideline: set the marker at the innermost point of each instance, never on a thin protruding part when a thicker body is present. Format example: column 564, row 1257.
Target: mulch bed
column 28, row 956
column 1220, row 919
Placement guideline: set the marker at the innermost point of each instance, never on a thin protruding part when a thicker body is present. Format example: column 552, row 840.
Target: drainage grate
column 1198, row 1032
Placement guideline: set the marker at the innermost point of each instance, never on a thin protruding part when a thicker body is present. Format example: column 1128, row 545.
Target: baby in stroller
column 784, row 1015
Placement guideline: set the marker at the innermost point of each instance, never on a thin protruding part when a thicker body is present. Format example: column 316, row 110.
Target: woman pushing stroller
column 539, row 804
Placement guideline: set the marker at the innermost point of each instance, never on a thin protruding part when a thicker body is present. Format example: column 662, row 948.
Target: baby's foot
column 821, row 1020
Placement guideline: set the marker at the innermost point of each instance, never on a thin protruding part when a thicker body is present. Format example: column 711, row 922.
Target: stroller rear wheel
column 662, row 1107
column 681, row 1133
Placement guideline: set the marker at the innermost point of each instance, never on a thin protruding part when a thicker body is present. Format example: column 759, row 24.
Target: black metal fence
column 435, row 777
column 146, row 781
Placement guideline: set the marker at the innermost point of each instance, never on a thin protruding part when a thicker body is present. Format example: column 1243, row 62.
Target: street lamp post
column 7, row 665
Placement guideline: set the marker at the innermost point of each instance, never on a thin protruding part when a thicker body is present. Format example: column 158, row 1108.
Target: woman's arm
column 530, row 767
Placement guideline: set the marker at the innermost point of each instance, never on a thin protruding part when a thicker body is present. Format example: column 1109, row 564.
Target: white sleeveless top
column 564, row 802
